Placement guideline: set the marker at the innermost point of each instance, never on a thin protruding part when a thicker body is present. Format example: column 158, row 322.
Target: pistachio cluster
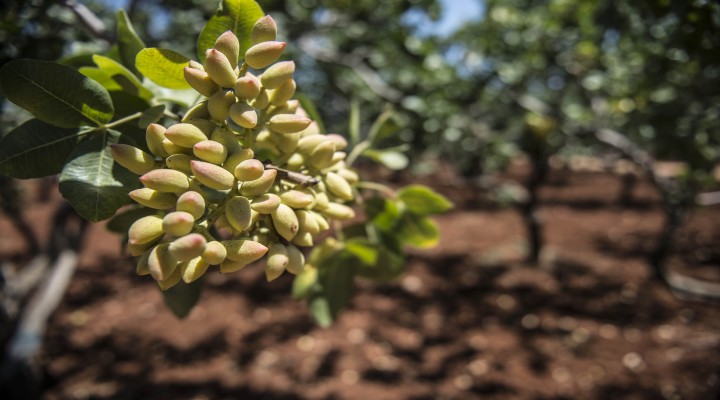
column 244, row 175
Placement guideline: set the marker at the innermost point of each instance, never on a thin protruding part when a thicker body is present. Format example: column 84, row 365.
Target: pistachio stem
column 357, row 151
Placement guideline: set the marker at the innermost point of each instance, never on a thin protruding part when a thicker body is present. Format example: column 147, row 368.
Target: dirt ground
column 469, row 319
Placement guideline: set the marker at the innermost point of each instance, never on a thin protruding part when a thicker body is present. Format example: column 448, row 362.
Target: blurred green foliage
column 647, row 69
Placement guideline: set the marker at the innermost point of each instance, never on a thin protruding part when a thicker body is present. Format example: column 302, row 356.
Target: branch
column 89, row 20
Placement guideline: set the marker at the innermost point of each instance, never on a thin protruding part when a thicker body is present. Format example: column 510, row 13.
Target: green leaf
column 182, row 297
column 164, row 67
column 92, row 182
column 337, row 281
column 151, row 115
column 383, row 213
column 120, row 223
column 422, row 200
column 129, row 43
column 363, row 250
column 237, row 16
column 392, row 159
column 36, row 149
column 320, row 310
column 418, row 231
column 55, row 93
column 389, row 265
column 124, row 79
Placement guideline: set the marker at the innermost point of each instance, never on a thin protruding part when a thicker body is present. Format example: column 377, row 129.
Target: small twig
column 296, row 177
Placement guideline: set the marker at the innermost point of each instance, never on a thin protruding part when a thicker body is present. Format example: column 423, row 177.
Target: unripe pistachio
column 235, row 158
column 262, row 101
column 237, row 212
column 227, row 138
column 171, row 280
column 160, row 263
column 339, row 156
column 339, row 211
column 219, row 104
column 180, row 162
column 244, row 250
column 339, row 186
column 307, row 222
column 321, row 200
column 192, row 203
column 132, row 158
column 205, row 125
column 178, row 223
column 153, row 199
column 296, row 199
column 263, row 54
column 185, row 134
column 260, row 185
column 210, row 151
column 263, row 141
column 303, row 238
column 277, row 261
column 219, row 68
column 280, row 96
column 136, row 250
column 171, row 148
column 295, row 162
column 166, row 180
column 264, row 30
column 289, row 107
column 288, row 123
column 200, row 81
column 266, row 203
column 198, row 112
column 286, row 142
column 249, row 170
column 145, row 230
column 340, row 142
column 211, row 175
column 193, row 269
column 243, row 114
column 307, row 144
column 312, row 129
column 349, row 175
column 296, row 260
column 277, row 74
column 322, row 155
column 154, row 135
column 142, row 264
column 322, row 223
column 285, row 221
column 229, row 45
column 187, row 247
column 247, row 87
column 214, row 253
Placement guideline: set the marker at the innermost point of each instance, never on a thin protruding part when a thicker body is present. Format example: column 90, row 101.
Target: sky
column 454, row 14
